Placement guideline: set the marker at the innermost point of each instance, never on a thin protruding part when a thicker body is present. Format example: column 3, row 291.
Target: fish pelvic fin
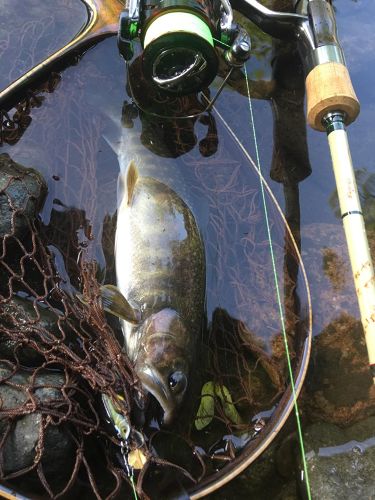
column 116, row 304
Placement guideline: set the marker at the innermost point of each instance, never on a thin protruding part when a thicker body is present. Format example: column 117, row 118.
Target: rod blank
column 355, row 232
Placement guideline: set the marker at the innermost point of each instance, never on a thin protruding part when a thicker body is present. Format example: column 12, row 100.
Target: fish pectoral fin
column 115, row 303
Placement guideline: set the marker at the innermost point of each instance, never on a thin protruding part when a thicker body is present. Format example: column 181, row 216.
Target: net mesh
column 60, row 354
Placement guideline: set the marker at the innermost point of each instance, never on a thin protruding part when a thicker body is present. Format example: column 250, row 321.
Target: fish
column 160, row 291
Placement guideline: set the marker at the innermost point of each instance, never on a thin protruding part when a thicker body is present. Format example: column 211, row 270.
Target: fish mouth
column 152, row 382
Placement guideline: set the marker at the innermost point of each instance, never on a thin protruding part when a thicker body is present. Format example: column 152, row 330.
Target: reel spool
column 179, row 39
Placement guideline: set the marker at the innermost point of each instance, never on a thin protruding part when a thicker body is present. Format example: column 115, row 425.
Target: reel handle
column 329, row 88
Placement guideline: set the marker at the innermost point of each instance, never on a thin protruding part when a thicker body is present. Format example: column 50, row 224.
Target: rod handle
column 329, row 88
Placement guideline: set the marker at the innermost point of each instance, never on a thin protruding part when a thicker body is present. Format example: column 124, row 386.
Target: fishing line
column 262, row 182
column 134, row 488
column 174, row 117
column 282, row 319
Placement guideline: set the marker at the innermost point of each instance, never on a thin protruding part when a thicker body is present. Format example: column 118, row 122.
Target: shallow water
column 68, row 142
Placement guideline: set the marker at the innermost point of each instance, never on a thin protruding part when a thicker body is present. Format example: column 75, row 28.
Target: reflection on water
column 67, row 141
column 35, row 32
column 223, row 189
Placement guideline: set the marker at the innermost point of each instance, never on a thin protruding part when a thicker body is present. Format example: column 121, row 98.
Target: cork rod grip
column 329, row 88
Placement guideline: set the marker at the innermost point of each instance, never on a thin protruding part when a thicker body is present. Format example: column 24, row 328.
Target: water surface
column 68, row 141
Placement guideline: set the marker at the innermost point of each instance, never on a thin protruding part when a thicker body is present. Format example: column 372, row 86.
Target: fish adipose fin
column 115, row 303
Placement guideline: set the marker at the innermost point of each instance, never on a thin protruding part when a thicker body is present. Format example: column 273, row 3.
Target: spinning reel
column 179, row 39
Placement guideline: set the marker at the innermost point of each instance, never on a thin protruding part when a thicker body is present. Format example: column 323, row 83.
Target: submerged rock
column 21, row 311
column 259, row 481
column 22, row 436
column 325, row 256
column 341, row 463
column 22, row 194
column 339, row 388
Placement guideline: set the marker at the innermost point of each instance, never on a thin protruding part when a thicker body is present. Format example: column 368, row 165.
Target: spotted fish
column 160, row 294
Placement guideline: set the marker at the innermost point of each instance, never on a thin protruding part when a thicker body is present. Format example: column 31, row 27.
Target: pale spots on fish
column 160, row 268
column 148, row 247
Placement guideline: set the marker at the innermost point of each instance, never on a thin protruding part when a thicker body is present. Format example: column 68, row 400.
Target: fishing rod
column 331, row 106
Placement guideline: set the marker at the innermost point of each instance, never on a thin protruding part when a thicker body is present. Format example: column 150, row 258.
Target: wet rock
column 21, row 311
column 341, row 463
column 23, row 435
column 325, row 257
column 339, row 387
column 288, row 491
column 261, row 481
column 22, row 194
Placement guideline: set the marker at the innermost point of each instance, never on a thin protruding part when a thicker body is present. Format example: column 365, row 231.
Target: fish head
column 163, row 362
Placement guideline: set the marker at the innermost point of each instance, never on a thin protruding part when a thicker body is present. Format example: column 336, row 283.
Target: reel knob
column 240, row 50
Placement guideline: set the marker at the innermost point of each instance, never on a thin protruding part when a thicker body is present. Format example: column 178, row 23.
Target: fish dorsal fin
column 126, row 183
column 131, row 180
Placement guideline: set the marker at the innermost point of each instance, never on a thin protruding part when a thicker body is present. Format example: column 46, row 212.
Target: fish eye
column 177, row 381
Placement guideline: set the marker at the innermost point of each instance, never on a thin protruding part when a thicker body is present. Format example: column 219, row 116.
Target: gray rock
column 22, row 194
column 341, row 462
column 23, row 435
column 20, row 445
column 22, row 311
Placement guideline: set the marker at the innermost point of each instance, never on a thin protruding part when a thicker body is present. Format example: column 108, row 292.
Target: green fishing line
column 282, row 320
column 133, row 486
column 177, row 22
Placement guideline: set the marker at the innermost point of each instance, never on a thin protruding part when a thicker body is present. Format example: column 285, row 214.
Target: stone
column 340, row 462
column 339, row 388
column 20, row 448
column 22, row 194
column 260, row 480
column 21, row 310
